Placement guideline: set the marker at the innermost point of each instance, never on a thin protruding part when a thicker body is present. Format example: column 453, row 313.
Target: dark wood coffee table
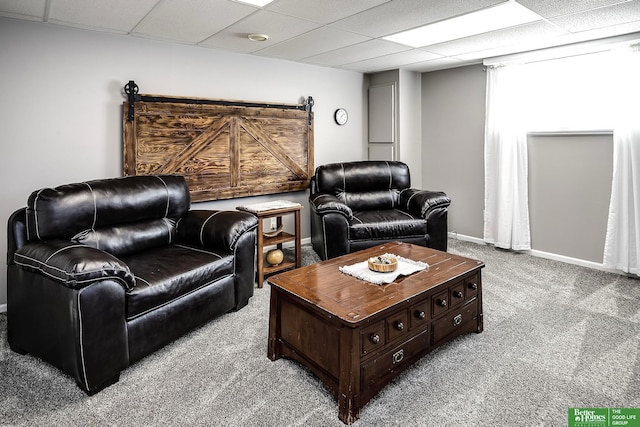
column 357, row 336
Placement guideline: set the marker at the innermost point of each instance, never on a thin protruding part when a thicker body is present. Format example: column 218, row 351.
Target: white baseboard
column 3, row 308
column 542, row 254
column 567, row 259
column 454, row 235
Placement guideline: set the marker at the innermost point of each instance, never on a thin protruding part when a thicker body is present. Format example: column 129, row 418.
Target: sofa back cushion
column 119, row 215
column 364, row 185
column 124, row 239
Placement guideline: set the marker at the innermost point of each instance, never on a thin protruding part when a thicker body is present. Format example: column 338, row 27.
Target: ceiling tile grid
column 343, row 34
column 278, row 27
column 190, row 21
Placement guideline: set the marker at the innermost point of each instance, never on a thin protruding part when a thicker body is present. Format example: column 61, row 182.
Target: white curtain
column 506, row 206
column 622, row 243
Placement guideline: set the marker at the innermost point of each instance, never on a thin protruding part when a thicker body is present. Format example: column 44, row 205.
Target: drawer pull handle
column 458, row 294
column 421, row 315
column 399, row 326
column 457, row 320
column 473, row 286
column 375, row 338
column 398, row 356
column 442, row 303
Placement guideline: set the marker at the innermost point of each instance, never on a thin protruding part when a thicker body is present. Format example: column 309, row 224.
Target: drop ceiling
column 345, row 34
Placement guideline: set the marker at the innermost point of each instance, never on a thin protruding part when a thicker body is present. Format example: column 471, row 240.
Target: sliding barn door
column 223, row 151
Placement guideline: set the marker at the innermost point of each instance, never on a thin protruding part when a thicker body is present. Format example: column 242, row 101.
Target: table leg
column 273, row 349
column 298, row 247
column 349, row 377
column 260, row 254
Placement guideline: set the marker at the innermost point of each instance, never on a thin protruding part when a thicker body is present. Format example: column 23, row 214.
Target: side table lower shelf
column 262, row 241
column 288, row 262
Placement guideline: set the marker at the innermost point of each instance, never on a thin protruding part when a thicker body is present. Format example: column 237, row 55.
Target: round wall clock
column 341, row 116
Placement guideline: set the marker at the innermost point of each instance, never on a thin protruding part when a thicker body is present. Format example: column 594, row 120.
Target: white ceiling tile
column 506, row 37
column 24, row 9
column 399, row 15
column 191, row 21
column 356, row 52
column 553, row 8
column 324, row 11
column 115, row 15
column 312, row 43
column 603, row 17
column 337, row 33
column 437, row 64
column 388, row 62
column 277, row 27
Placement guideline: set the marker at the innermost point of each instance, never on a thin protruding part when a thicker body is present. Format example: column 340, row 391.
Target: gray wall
column 62, row 99
column 453, row 106
column 569, row 192
column 569, row 174
column 61, row 106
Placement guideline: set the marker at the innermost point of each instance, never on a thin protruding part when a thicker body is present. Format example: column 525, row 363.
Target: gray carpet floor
column 555, row 336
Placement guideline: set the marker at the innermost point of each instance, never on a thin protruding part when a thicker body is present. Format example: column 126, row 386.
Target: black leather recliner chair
column 357, row 205
column 102, row 273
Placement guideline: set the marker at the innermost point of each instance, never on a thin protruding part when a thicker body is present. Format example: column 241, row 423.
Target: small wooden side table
column 282, row 237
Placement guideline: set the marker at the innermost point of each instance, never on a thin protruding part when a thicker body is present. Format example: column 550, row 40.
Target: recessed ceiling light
column 258, row 37
column 258, row 3
column 504, row 15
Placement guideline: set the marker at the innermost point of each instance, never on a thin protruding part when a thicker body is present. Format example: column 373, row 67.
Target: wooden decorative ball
column 274, row 257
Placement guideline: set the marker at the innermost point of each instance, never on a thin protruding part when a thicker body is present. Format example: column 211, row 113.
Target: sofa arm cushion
column 215, row 229
column 422, row 202
column 72, row 264
column 326, row 203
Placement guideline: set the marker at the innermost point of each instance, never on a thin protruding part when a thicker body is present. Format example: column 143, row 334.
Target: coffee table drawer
column 373, row 338
column 419, row 314
column 457, row 321
column 440, row 303
column 471, row 286
column 397, row 325
column 388, row 362
column 457, row 294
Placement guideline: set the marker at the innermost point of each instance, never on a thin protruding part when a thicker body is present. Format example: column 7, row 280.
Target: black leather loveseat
column 102, row 273
column 357, row 205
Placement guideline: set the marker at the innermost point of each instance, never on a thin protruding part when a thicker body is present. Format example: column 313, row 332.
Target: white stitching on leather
column 35, row 214
column 177, row 298
column 84, row 367
column 409, row 199
column 390, row 183
column 167, row 222
column 198, row 250
column 324, row 237
column 61, row 250
column 390, row 177
column 404, row 213
column 95, row 206
column 166, row 187
column 26, row 222
column 205, row 223
column 142, row 280
column 69, row 276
